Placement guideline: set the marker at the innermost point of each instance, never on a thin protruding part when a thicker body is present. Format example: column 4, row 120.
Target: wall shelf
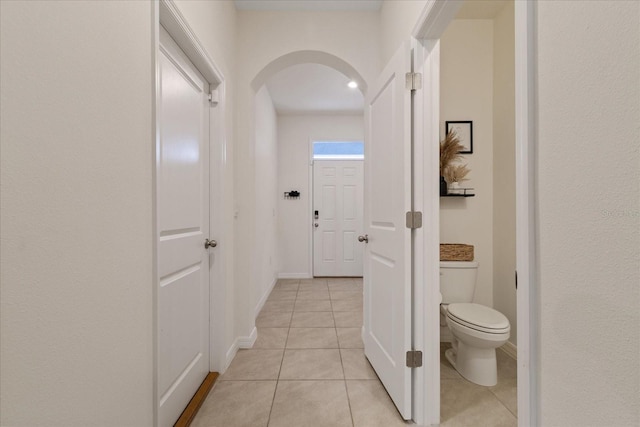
column 459, row 192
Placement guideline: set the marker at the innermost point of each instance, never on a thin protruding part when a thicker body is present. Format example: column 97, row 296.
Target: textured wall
column 466, row 93
column 504, row 167
column 589, row 212
column 267, row 196
column 76, row 224
column 397, row 19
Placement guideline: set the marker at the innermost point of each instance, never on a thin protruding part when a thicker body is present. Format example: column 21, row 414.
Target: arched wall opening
column 311, row 57
column 262, row 171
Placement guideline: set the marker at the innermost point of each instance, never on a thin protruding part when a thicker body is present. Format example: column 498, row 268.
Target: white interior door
column 183, row 226
column 387, row 258
column 338, row 200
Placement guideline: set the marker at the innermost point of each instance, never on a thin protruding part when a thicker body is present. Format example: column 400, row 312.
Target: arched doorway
column 277, row 216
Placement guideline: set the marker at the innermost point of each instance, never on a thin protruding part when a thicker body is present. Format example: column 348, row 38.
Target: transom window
column 338, row 150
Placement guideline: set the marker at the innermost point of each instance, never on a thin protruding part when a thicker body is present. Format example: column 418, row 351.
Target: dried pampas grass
column 450, row 149
column 456, row 173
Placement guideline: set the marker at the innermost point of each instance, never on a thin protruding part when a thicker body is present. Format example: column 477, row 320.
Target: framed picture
column 464, row 130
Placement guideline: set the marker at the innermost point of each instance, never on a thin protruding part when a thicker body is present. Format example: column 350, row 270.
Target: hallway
column 307, row 368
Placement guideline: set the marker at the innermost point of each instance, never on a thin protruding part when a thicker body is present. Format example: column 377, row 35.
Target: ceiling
column 313, row 88
column 308, row 4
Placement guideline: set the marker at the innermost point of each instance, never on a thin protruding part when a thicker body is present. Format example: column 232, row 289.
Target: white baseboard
column 510, row 349
column 264, row 297
column 294, row 276
column 240, row 342
column 247, row 342
column 231, row 353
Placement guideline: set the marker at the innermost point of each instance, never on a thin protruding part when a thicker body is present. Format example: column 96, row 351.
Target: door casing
column 166, row 13
column 183, row 261
column 433, row 21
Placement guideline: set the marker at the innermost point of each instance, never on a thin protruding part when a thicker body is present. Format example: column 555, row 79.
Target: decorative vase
column 454, row 188
column 443, row 186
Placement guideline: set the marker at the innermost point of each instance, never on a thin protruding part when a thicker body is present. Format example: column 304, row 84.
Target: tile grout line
column 278, row 380
column 275, row 390
column 502, row 403
column 344, row 374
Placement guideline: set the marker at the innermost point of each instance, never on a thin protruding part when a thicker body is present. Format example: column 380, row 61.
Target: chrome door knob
column 210, row 243
column 364, row 238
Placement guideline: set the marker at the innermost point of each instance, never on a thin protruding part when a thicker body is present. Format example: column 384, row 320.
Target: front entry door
column 387, row 259
column 183, row 224
column 337, row 200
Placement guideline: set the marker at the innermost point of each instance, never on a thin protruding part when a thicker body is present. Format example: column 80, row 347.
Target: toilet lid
column 478, row 316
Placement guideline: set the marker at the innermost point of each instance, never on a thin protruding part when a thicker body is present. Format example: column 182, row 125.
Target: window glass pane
column 343, row 150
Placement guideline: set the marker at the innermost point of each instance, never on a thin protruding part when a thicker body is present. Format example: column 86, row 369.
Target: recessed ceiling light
column 352, row 84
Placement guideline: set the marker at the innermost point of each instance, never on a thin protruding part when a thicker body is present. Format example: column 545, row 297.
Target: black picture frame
column 464, row 130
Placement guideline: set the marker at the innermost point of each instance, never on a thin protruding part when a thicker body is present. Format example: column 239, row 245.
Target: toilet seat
column 478, row 317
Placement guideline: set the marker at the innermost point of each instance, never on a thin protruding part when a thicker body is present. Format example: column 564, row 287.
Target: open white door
column 183, row 225
column 387, row 258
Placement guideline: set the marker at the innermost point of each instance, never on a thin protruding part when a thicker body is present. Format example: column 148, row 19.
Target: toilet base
column 446, row 335
column 477, row 365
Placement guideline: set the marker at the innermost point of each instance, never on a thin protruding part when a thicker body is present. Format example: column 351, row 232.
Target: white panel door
column 338, row 199
column 387, row 257
column 183, row 224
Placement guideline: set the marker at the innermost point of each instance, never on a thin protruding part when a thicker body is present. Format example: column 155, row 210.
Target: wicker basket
column 456, row 252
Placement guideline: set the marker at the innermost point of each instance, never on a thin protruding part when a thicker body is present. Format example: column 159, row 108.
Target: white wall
column 266, row 150
column 467, row 94
column 504, row 168
column 397, row 21
column 263, row 37
column 294, row 173
column 77, row 232
column 588, row 196
column 350, row 35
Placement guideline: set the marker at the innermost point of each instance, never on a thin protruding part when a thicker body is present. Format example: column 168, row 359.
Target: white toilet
column 477, row 330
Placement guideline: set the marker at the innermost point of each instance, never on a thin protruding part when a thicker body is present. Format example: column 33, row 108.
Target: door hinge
column 214, row 97
column 414, row 220
column 413, row 81
column 414, row 359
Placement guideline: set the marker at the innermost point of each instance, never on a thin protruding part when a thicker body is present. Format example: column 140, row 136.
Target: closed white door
column 338, row 205
column 387, row 258
column 183, row 225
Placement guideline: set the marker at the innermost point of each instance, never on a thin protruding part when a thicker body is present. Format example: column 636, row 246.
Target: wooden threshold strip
column 194, row 405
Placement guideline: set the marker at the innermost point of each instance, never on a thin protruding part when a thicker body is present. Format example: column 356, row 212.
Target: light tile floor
column 463, row 403
column 307, row 368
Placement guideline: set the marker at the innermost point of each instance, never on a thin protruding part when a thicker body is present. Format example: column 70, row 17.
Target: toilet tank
column 458, row 281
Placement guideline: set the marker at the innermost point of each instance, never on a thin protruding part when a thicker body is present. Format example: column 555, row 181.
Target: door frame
column 310, row 191
column 165, row 13
column 313, row 206
column 433, row 21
